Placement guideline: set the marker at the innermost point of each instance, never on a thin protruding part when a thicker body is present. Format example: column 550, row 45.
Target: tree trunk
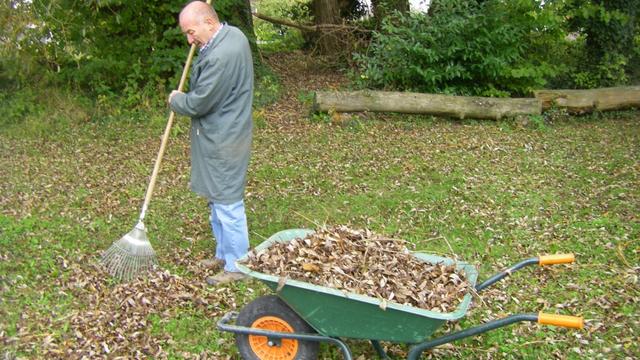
column 583, row 101
column 239, row 14
column 326, row 12
column 416, row 103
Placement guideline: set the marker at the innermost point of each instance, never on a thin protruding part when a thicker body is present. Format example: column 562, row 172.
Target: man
column 219, row 103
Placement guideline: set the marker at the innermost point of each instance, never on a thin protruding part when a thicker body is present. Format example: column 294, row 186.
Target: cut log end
column 585, row 101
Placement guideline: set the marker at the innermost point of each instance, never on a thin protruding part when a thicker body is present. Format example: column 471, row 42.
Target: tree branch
column 309, row 28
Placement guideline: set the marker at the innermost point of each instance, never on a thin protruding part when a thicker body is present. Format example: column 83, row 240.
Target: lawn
column 489, row 193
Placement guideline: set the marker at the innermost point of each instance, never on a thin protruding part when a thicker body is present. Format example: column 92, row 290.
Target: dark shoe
column 214, row 263
column 225, row 277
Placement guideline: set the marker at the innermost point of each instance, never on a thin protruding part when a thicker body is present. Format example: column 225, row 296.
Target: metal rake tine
column 130, row 256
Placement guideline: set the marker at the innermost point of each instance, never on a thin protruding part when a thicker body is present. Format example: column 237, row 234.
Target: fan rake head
column 130, row 256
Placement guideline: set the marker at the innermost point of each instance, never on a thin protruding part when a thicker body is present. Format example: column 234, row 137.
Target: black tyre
column 271, row 313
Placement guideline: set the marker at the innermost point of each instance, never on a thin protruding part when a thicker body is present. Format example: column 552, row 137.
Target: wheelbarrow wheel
column 270, row 313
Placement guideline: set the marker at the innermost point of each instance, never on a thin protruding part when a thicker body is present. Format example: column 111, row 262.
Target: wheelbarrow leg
column 381, row 353
column 417, row 350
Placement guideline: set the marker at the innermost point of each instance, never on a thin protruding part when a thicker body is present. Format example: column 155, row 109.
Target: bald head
column 199, row 21
column 198, row 10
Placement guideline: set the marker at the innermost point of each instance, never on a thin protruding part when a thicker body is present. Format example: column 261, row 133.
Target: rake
column 133, row 254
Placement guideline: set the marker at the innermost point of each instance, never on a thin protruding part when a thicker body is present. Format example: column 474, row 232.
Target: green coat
column 219, row 103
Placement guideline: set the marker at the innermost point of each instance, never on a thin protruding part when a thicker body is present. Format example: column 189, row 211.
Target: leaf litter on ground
column 114, row 321
column 515, row 189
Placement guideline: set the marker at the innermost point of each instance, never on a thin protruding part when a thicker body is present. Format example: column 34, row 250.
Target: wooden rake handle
column 165, row 136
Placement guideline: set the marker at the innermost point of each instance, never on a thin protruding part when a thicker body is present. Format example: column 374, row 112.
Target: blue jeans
column 229, row 225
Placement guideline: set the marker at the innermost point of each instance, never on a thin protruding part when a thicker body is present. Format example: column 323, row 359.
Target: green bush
column 267, row 87
column 102, row 48
column 496, row 48
column 272, row 37
column 607, row 31
column 19, row 105
column 634, row 63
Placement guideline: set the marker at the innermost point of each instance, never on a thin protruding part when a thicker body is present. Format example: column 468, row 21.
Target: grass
column 491, row 193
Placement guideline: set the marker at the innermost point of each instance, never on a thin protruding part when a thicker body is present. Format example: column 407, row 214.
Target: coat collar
column 215, row 39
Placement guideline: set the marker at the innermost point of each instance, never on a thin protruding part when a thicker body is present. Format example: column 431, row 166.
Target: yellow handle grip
column 556, row 259
column 576, row 322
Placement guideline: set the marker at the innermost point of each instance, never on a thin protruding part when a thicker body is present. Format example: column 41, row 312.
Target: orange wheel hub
column 260, row 344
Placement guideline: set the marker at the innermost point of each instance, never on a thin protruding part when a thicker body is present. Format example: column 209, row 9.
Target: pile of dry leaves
column 365, row 263
column 115, row 321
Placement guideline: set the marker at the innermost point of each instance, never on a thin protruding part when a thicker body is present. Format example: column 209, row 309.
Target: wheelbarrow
column 292, row 324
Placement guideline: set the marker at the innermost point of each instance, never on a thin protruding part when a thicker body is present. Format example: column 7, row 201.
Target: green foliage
column 306, row 97
column 495, row 48
column 105, row 48
column 18, row 105
column 385, row 9
column 608, row 32
column 537, row 122
column 353, row 9
column 238, row 14
column 267, row 88
column 321, row 117
column 634, row 63
column 32, row 111
column 16, row 67
column 273, row 37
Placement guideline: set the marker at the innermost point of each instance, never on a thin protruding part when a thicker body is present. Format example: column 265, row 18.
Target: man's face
column 198, row 30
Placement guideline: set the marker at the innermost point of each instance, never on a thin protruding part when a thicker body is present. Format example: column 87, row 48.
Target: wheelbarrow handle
column 540, row 260
column 541, row 318
column 576, row 322
column 556, row 259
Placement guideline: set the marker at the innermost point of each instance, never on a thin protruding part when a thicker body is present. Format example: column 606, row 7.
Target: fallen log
column 584, row 101
column 460, row 107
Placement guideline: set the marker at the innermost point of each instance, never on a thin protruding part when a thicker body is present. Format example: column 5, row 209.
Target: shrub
column 106, row 47
column 273, row 37
column 608, row 31
column 496, row 48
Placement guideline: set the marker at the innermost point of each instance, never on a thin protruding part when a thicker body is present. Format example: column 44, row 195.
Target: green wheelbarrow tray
column 336, row 313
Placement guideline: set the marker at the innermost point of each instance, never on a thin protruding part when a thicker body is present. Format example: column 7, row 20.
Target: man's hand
column 172, row 94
